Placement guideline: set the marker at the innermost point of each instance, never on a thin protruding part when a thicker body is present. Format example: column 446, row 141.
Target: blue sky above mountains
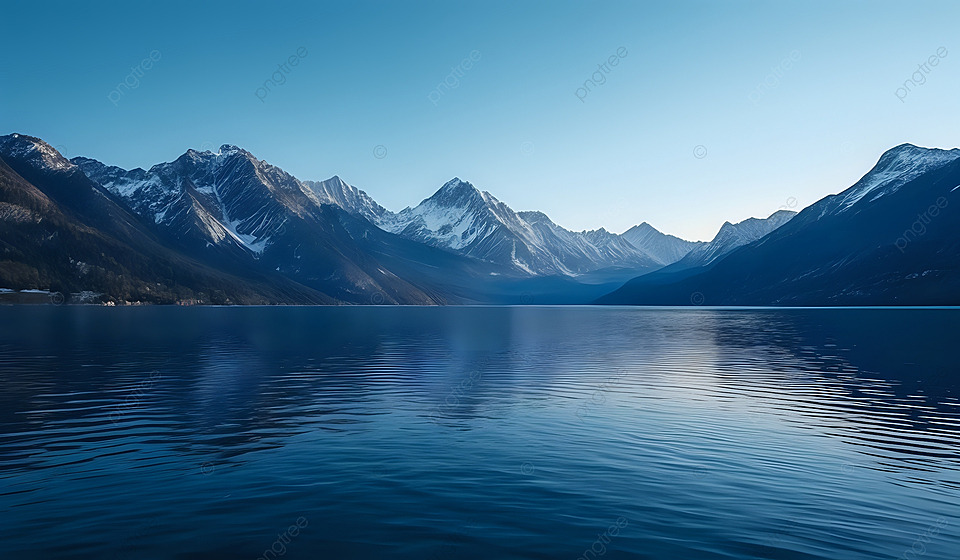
column 716, row 111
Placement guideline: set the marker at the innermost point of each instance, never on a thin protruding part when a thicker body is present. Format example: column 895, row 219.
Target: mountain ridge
column 330, row 241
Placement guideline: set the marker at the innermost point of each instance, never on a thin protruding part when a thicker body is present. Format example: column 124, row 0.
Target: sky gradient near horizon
column 715, row 111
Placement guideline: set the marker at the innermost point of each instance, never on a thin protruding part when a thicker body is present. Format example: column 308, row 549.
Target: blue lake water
column 479, row 432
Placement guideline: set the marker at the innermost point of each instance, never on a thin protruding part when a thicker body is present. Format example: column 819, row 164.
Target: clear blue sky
column 514, row 126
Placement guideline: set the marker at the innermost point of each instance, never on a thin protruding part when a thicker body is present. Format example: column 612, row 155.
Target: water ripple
column 479, row 432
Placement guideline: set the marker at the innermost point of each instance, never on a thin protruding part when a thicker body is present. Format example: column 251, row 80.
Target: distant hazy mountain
column 732, row 236
column 664, row 248
column 893, row 238
column 461, row 218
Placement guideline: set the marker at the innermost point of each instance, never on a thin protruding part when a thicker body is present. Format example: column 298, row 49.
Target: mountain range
column 227, row 228
column 893, row 238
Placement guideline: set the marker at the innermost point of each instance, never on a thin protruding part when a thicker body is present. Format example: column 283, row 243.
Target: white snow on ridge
column 25, row 146
column 335, row 191
column 903, row 164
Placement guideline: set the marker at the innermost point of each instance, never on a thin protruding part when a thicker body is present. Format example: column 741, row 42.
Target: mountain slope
column 891, row 239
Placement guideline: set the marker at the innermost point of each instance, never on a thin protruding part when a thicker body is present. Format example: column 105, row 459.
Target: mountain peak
column 897, row 166
column 782, row 214
column 728, row 228
column 456, row 184
column 224, row 150
column 230, row 150
column 534, row 216
column 910, row 154
column 455, row 192
column 336, row 191
column 32, row 148
column 906, row 146
column 326, row 184
column 643, row 227
column 754, row 228
column 666, row 249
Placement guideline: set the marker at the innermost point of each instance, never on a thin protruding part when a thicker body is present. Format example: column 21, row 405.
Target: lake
column 479, row 432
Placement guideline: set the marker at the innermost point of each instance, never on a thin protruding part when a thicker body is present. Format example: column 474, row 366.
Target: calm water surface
column 494, row 433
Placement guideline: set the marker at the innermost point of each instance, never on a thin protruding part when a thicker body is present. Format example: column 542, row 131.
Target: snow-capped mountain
column 230, row 200
column 461, row 218
column 243, row 212
column 33, row 151
column 228, row 222
column 893, row 238
column 665, row 248
column 598, row 248
column 224, row 198
column 63, row 232
column 732, row 236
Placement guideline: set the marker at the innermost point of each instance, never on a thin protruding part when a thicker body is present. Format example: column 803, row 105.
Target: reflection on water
column 479, row 433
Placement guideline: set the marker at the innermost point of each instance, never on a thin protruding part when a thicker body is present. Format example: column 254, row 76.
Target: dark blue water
column 506, row 433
